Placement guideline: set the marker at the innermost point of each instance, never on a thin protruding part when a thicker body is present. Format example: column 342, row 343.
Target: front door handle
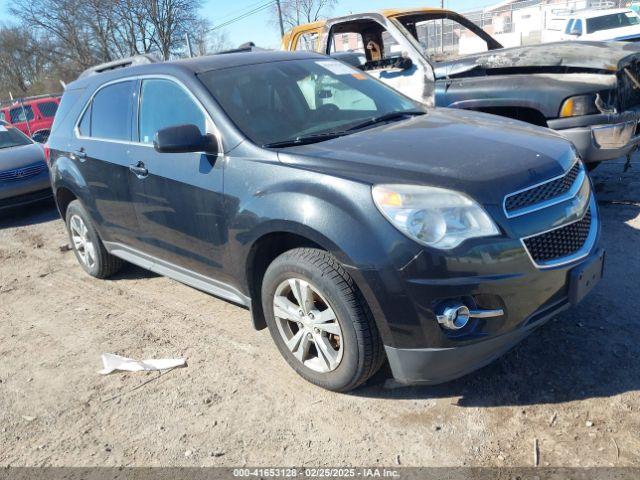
column 139, row 170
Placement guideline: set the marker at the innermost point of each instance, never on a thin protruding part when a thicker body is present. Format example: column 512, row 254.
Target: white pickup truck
column 619, row 24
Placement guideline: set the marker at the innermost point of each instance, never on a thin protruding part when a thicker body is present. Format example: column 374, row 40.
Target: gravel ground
column 573, row 386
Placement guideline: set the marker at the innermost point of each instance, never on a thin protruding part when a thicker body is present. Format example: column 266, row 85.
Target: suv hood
column 594, row 57
column 482, row 155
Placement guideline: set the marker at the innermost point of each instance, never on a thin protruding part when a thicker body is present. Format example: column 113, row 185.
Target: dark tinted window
column 111, row 112
column 48, row 109
column 85, row 124
column 615, row 20
column 19, row 114
column 164, row 103
column 12, row 137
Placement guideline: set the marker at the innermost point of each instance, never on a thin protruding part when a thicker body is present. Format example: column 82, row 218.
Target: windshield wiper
column 387, row 117
column 305, row 140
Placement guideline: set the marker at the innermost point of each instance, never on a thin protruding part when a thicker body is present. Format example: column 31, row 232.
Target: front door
column 178, row 196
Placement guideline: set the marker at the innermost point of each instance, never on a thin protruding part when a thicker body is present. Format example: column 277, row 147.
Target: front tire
column 319, row 320
column 86, row 244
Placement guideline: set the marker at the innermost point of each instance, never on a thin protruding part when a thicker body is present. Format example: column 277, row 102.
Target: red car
column 33, row 116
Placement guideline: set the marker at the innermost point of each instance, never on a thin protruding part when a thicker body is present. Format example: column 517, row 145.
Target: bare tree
column 298, row 12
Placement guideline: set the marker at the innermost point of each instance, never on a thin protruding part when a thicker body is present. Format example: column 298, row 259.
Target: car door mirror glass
column 184, row 139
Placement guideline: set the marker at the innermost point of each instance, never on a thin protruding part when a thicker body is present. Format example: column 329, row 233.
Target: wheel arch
column 266, row 248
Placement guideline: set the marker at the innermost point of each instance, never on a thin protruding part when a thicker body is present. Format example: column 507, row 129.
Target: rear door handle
column 139, row 170
column 80, row 154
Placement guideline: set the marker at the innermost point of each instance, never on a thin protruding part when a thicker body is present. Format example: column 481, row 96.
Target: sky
column 260, row 28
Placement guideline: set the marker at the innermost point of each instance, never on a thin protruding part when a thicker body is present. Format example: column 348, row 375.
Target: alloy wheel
column 82, row 242
column 308, row 325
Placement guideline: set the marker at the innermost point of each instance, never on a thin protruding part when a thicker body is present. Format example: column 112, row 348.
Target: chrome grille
column 559, row 243
column 23, row 173
column 544, row 194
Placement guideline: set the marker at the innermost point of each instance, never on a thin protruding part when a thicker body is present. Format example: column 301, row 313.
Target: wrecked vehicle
column 355, row 230
column 587, row 91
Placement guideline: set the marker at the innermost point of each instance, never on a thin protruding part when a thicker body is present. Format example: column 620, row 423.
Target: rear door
column 103, row 142
column 179, row 199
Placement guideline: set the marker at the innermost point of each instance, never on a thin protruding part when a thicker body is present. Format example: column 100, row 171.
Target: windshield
column 616, row 20
column 12, row 137
column 282, row 101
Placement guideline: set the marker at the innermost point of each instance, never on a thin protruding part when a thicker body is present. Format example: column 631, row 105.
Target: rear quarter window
column 69, row 100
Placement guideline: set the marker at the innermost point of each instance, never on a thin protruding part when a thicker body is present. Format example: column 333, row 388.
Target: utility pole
column 280, row 18
column 442, row 29
column 188, row 42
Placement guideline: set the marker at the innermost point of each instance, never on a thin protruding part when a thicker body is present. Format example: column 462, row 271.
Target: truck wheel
column 86, row 244
column 319, row 320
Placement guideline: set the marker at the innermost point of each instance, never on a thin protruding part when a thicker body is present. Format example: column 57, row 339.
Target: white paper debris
column 112, row 362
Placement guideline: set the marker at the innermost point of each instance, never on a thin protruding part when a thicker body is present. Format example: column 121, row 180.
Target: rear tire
column 86, row 244
column 335, row 344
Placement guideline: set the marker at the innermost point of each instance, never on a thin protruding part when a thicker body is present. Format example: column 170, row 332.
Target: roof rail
column 245, row 47
column 121, row 63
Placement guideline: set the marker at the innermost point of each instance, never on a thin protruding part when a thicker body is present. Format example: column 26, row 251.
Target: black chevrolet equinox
column 354, row 223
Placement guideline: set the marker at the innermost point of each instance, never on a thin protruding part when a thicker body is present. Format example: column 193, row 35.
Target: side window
column 307, row 42
column 569, row 25
column 19, row 114
column 346, row 42
column 578, row 26
column 110, row 113
column 85, row 124
column 48, row 109
column 164, row 103
column 444, row 38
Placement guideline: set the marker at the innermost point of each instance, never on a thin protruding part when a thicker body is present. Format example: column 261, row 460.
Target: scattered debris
column 588, row 423
column 217, row 453
column 398, row 459
column 536, row 453
column 112, row 362
column 65, row 248
column 188, row 453
column 553, row 419
column 28, row 418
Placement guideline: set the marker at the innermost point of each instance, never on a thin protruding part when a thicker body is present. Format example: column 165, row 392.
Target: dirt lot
column 574, row 385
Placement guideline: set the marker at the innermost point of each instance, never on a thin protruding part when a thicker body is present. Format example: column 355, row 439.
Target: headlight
column 432, row 216
column 579, row 105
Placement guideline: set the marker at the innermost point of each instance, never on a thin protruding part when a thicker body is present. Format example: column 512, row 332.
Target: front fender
column 336, row 214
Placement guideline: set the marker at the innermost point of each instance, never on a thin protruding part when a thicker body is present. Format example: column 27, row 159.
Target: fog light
column 455, row 317
column 613, row 136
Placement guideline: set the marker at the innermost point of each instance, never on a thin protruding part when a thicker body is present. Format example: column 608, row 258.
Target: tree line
column 54, row 40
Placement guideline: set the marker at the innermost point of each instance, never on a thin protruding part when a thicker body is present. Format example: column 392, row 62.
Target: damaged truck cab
column 589, row 92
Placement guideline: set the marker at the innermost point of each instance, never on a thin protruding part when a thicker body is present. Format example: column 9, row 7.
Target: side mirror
column 184, row 139
column 404, row 63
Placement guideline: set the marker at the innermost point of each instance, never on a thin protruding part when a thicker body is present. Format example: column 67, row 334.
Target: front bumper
column 24, row 192
column 600, row 137
column 438, row 365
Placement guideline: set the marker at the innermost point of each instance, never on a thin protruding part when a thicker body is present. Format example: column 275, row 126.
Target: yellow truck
column 587, row 91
